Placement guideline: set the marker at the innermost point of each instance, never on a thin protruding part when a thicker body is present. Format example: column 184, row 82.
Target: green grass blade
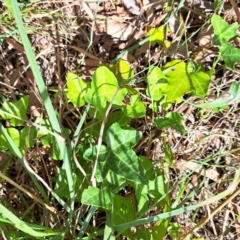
column 10, row 218
column 47, row 102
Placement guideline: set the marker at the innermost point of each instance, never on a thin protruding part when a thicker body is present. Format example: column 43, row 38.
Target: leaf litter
column 62, row 45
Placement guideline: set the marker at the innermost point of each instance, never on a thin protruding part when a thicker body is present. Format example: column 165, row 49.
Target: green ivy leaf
column 123, row 212
column 154, row 189
column 77, row 89
column 148, row 166
column 178, row 80
column 93, row 129
column 118, row 155
column 114, row 180
column 171, row 120
column 18, row 108
column 230, row 55
column 158, row 36
column 118, row 100
column 157, row 83
column 222, row 32
column 15, row 136
column 123, row 72
column 104, row 86
column 137, row 108
column 97, row 197
column 200, row 83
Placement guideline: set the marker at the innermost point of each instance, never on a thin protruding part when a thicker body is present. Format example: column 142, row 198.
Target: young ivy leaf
column 118, row 155
column 137, row 108
column 104, row 86
column 18, row 108
column 158, row 36
column 123, row 72
column 77, row 89
column 15, row 136
column 157, row 83
column 178, row 80
column 222, row 32
column 199, row 79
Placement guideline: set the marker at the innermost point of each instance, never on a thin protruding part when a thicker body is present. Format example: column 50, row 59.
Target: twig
column 235, row 7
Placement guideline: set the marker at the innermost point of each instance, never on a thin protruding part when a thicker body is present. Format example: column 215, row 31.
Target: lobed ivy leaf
column 222, row 32
column 118, row 100
column 104, row 86
column 230, row 55
column 136, row 109
column 18, row 108
column 157, row 83
column 97, row 197
column 118, row 155
column 77, row 89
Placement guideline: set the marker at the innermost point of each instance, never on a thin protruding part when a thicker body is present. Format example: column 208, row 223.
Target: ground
column 78, row 37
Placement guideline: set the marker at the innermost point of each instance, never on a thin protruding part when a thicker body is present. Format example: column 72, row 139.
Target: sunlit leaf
column 123, row 72
column 18, row 108
column 77, row 89
column 15, row 136
column 200, row 82
column 157, row 83
column 136, row 109
column 178, row 80
column 104, row 86
column 158, row 36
